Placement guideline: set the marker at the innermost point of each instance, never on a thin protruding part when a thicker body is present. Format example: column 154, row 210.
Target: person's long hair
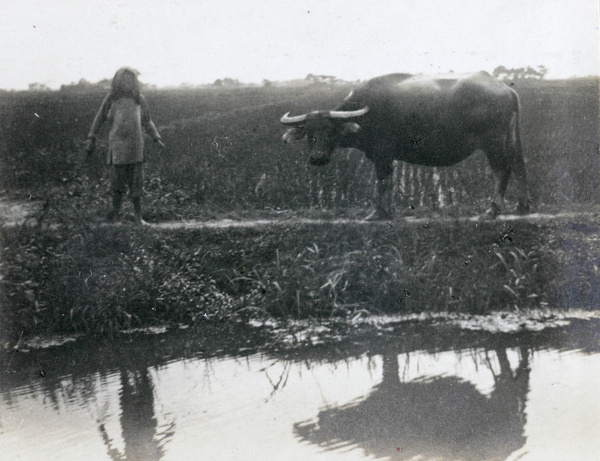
column 117, row 89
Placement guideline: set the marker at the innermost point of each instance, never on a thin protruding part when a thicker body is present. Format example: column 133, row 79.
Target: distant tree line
column 230, row 82
column 521, row 72
column 81, row 85
column 327, row 79
column 104, row 85
column 39, row 87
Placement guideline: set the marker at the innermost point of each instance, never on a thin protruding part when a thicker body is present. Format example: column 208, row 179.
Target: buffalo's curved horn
column 287, row 120
column 348, row 113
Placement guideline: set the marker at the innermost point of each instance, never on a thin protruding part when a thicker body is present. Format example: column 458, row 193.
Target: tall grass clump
column 349, row 269
column 101, row 280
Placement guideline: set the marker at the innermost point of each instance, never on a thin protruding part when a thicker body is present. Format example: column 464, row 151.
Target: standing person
column 127, row 113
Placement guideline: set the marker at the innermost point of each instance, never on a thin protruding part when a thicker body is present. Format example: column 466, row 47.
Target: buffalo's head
column 324, row 130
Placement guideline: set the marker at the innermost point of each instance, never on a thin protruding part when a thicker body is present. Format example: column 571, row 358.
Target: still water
column 416, row 392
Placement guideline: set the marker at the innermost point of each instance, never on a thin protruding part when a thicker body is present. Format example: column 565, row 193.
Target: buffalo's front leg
column 383, row 200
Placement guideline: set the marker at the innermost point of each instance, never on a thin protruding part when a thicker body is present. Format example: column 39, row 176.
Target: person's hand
column 90, row 145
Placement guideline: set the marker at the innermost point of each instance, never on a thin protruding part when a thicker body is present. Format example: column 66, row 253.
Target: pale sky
column 198, row 41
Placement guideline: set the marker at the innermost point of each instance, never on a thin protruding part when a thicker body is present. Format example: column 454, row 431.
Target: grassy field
column 224, row 152
column 224, row 158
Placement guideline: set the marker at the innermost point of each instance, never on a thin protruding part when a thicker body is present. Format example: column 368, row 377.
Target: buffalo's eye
column 312, row 139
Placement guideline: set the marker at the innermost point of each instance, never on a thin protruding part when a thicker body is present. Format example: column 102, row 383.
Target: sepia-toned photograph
column 329, row 230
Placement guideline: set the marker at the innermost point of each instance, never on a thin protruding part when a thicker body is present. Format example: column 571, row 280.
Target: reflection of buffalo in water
column 442, row 417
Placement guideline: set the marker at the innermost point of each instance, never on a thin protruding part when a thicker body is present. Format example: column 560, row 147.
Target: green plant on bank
column 78, row 277
column 102, row 279
column 415, row 275
column 519, row 270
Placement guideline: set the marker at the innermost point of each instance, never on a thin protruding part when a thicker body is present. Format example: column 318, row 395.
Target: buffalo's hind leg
column 501, row 170
column 501, row 177
column 520, row 173
column 503, row 162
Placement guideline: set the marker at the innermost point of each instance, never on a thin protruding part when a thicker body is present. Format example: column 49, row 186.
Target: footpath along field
column 224, row 159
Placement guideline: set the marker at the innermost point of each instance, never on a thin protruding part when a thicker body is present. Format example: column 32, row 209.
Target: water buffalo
column 424, row 120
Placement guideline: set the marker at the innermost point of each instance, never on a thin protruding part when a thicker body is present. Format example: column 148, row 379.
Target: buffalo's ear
column 349, row 128
column 293, row 134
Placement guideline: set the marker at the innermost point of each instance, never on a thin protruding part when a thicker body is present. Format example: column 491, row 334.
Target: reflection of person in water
column 442, row 417
column 138, row 423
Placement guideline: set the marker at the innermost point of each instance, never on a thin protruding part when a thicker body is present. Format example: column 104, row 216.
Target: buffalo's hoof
column 379, row 215
column 487, row 216
column 523, row 208
column 491, row 213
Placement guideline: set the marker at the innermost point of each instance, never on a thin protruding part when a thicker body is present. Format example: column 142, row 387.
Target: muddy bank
column 423, row 331
column 379, row 387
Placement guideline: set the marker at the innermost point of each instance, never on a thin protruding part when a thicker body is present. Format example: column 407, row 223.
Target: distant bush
column 520, row 72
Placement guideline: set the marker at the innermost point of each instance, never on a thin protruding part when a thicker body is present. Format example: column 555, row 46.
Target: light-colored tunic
column 126, row 138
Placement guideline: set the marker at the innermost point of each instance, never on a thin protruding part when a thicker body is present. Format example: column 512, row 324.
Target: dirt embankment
column 17, row 212
column 75, row 276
